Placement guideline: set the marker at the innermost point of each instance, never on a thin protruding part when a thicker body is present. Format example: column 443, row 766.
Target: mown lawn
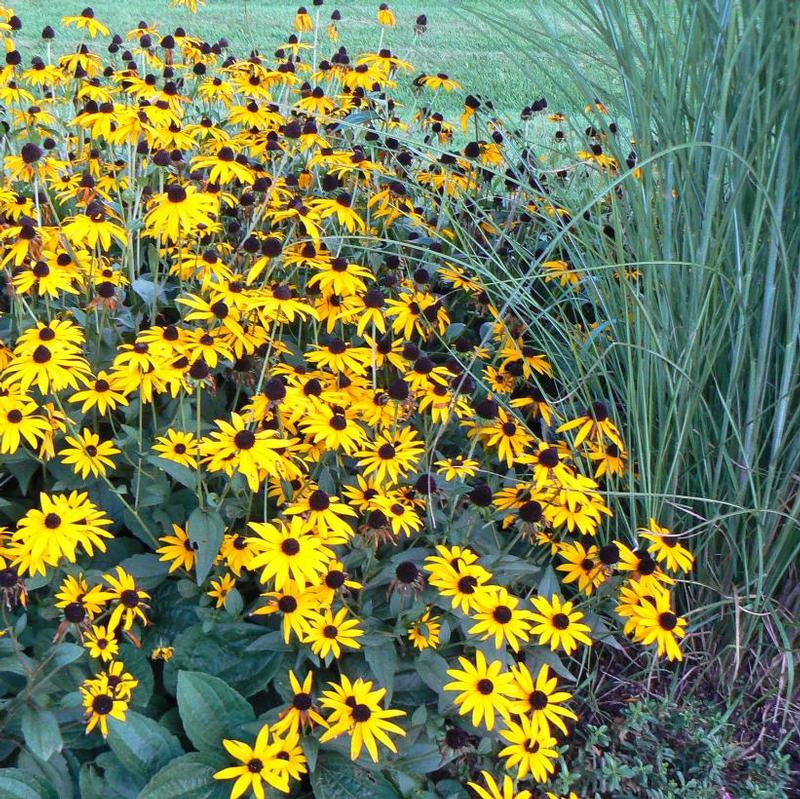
column 480, row 55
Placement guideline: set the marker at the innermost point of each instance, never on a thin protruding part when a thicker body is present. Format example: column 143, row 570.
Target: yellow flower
column 484, row 689
column 494, row 791
column 667, row 548
column 178, row 447
column 386, row 16
column 101, row 703
column 87, row 454
column 87, row 22
column 558, row 624
column 179, row 212
column 498, row 614
column 101, row 642
column 424, row 632
column 529, row 749
column 356, row 710
column 328, row 633
column 260, row 765
column 220, row 588
column 178, row 550
column 130, row 600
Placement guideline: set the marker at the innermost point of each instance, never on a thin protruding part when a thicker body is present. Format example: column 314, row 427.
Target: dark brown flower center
column 667, row 621
column 538, row 700
column 245, row 439
column 290, row 546
column 561, row 621
column 467, row 584
column 102, row 704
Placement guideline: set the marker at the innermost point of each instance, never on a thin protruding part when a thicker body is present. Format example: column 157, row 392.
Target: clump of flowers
column 258, row 406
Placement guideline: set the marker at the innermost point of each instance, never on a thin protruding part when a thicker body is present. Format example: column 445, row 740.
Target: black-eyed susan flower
column 101, row 703
column 640, row 565
column 400, row 516
column 498, row 790
column 386, row 16
column 437, row 81
column 483, row 689
column 121, row 682
column 558, row 624
column 54, row 531
column 254, row 454
column 334, row 427
column 329, row 632
column 131, row 600
column 286, row 552
column 529, row 750
column 498, row 614
column 19, row 421
column 667, row 548
column 101, row 642
column 102, row 393
column 259, row 767
column 220, row 588
column 48, row 367
column 610, row 460
column 177, row 550
column 293, row 606
column 594, row 424
column 538, row 698
column 335, row 581
column 87, row 454
column 179, row 212
column 322, row 514
column 457, row 576
column 583, row 566
column 356, row 710
column 302, row 21
column 303, row 712
column 457, row 467
column 80, row 602
column 652, row 619
column 164, row 653
column 424, row 632
column 178, row 447
column 86, row 21
column 391, row 457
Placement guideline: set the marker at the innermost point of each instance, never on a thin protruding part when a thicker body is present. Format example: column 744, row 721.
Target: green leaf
column 66, row 653
column 148, row 571
column 16, row 784
column 223, row 652
column 549, row 584
column 382, row 659
column 41, row 732
column 189, row 777
column 177, row 471
column 234, row 603
column 210, row 709
column 141, row 744
column 432, row 669
column 205, row 529
column 337, row 778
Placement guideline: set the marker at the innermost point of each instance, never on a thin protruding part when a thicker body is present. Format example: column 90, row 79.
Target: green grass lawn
column 457, row 42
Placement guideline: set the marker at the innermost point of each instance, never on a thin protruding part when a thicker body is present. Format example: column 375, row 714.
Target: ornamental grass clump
column 283, row 486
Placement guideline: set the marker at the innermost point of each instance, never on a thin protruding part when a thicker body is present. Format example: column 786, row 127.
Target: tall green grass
column 704, row 361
